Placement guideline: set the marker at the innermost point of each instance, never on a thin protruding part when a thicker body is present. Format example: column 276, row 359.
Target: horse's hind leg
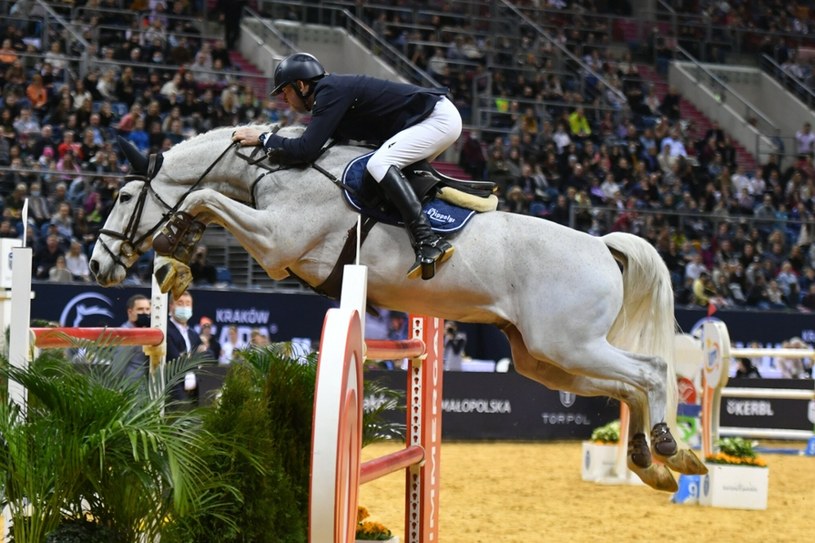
column 649, row 375
column 638, row 456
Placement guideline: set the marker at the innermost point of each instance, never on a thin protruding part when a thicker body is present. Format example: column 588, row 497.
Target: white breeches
column 428, row 139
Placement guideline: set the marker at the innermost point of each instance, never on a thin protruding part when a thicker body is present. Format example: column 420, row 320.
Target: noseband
column 135, row 246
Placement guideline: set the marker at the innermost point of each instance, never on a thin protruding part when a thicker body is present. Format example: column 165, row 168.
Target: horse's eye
column 125, row 197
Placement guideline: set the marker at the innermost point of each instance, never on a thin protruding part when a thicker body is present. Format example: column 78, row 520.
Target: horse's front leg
column 252, row 228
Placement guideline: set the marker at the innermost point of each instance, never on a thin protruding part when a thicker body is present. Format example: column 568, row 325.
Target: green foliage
column 736, row 446
column 96, row 457
column 610, row 433
column 263, row 423
column 90, row 440
column 736, row 451
column 81, row 531
column 375, row 425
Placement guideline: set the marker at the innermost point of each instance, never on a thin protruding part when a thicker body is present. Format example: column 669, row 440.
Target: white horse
column 592, row 316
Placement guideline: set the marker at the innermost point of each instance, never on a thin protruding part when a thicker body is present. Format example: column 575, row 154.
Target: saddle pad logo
column 444, row 217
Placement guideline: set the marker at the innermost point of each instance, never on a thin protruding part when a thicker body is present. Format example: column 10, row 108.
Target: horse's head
column 138, row 213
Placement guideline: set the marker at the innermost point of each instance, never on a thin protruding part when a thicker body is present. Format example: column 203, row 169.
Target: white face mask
column 182, row 314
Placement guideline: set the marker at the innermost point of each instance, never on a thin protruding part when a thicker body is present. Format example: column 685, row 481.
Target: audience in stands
column 560, row 145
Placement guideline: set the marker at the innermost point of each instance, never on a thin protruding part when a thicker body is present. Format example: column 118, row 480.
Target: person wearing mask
column 136, row 362
column 181, row 340
column 409, row 123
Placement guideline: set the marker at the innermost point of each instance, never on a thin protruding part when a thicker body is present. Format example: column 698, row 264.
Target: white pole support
column 716, row 364
column 355, row 291
column 157, row 353
column 20, row 336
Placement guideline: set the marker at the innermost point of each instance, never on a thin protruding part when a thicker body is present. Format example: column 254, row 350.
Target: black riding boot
column 430, row 247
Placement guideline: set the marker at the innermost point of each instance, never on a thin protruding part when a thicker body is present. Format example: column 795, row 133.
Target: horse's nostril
column 94, row 267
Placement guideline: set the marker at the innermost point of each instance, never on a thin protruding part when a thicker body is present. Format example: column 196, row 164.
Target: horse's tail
column 646, row 323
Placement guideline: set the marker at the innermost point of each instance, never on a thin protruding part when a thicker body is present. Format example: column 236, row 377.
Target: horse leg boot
column 430, row 248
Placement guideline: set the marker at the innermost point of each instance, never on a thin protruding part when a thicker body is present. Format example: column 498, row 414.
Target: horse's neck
column 208, row 162
column 307, row 208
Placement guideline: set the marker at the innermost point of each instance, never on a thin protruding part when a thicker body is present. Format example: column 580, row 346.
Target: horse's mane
column 292, row 131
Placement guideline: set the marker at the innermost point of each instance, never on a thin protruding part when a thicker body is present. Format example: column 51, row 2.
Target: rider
column 409, row 123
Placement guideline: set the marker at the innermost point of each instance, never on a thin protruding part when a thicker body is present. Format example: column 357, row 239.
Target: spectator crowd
column 152, row 79
column 560, row 144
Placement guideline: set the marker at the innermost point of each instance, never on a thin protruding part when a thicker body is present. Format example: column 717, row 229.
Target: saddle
column 428, row 183
column 424, row 172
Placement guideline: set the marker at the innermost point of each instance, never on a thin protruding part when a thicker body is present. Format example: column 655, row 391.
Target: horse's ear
column 138, row 161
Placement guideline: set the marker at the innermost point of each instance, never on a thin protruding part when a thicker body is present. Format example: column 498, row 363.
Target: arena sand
column 532, row 492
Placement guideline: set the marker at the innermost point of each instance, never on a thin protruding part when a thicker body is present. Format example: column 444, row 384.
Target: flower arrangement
column 736, row 451
column 368, row 530
column 610, row 433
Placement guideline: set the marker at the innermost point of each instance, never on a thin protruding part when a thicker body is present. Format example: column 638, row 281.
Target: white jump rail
column 336, row 472
column 717, row 354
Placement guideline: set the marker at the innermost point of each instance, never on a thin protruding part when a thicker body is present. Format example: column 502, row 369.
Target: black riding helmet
column 296, row 67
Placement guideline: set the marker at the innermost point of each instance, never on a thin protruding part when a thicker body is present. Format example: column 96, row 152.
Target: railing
column 87, row 13
column 269, row 34
column 800, row 89
column 691, row 225
column 718, row 43
column 487, row 116
column 586, row 70
column 70, row 33
column 337, row 16
column 726, row 94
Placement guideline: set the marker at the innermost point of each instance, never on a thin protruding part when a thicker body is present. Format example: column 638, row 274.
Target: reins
column 131, row 246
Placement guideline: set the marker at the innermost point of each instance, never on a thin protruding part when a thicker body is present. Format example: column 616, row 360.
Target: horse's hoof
column 165, row 276
column 172, row 275
column 656, row 476
column 183, row 279
column 662, row 442
column 685, row 461
column 638, row 453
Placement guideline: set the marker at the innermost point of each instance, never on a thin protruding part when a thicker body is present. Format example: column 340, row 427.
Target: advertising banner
column 767, row 412
column 507, row 406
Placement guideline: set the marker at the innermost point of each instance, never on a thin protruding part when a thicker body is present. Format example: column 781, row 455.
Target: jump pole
column 717, row 355
column 336, row 440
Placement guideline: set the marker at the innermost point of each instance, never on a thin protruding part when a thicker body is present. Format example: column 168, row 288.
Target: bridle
column 132, row 246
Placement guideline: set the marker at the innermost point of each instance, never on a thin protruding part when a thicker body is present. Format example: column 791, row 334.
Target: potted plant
column 737, row 478
column 91, row 455
column 600, row 452
column 262, row 419
column 368, row 530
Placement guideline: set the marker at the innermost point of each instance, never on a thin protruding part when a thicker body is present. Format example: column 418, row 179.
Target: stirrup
column 425, row 265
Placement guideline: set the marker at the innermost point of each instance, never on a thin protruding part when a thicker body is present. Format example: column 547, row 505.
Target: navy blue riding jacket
column 357, row 107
